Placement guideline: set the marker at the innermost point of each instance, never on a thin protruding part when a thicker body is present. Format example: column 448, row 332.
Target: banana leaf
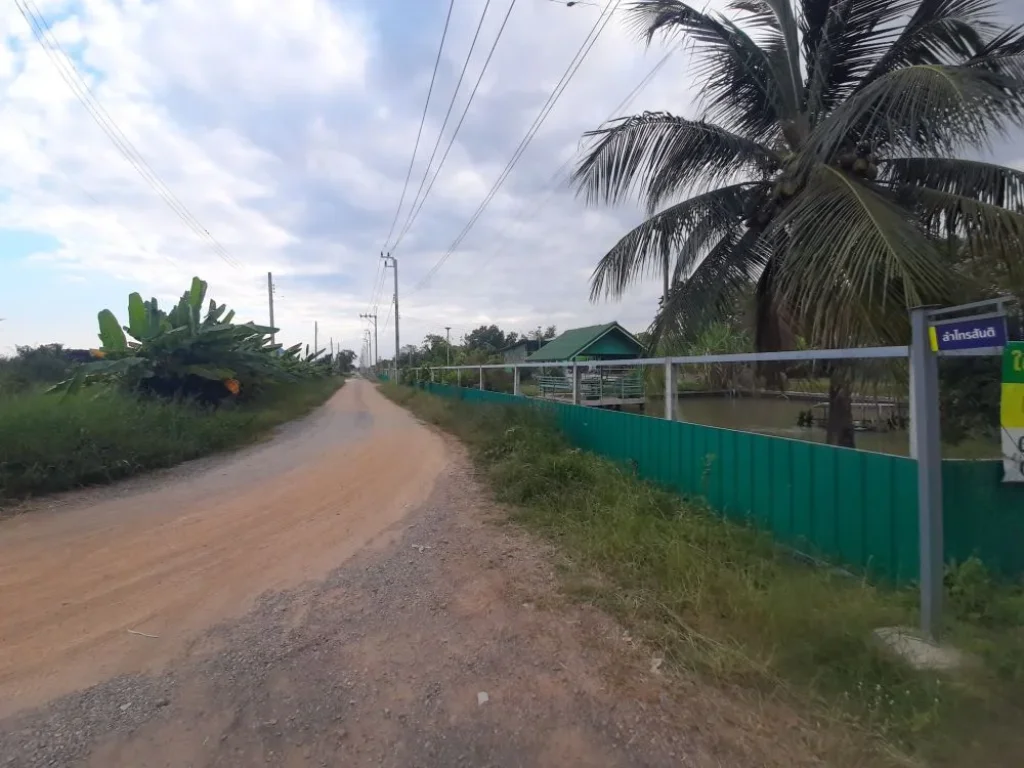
column 138, row 319
column 111, row 334
column 196, row 295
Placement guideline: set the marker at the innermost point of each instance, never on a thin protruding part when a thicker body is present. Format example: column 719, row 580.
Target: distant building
column 595, row 342
column 518, row 352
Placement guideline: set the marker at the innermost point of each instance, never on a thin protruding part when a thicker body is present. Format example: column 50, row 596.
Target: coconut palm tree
column 830, row 161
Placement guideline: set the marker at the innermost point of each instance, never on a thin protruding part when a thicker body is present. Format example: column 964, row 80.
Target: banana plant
column 177, row 350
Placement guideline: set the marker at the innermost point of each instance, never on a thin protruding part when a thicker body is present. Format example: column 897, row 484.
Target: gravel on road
column 443, row 642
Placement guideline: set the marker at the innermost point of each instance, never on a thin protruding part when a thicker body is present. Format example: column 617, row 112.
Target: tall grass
column 722, row 599
column 48, row 444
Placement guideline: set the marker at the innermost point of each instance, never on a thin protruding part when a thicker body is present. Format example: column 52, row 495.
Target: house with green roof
column 603, row 387
column 595, row 342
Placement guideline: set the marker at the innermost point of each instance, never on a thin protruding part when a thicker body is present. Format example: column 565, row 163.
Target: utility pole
column 389, row 259
column 448, row 344
column 316, row 333
column 270, row 297
column 375, row 352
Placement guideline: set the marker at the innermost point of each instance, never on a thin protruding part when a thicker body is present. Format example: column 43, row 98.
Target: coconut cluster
column 859, row 160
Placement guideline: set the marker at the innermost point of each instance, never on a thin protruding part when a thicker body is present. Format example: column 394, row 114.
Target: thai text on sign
column 968, row 334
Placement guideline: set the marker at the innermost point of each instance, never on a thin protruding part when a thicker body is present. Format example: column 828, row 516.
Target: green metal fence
column 854, row 507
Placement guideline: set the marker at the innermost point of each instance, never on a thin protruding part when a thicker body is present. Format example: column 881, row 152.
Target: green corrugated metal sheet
column 854, row 507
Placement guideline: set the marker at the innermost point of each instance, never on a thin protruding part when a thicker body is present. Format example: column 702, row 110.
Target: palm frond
column 997, row 265
column 778, row 18
column 854, row 260
column 707, row 231
column 988, row 231
column 1004, row 53
column 677, row 231
column 660, row 156
column 938, row 32
column 984, row 182
column 813, row 16
column 954, row 216
column 712, row 290
column 923, row 109
column 843, row 39
column 757, row 14
column 744, row 85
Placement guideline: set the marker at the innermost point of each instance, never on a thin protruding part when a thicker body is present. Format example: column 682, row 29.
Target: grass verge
column 722, row 599
column 49, row 445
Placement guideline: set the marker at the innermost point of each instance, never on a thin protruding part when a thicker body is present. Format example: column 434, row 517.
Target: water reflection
column 778, row 416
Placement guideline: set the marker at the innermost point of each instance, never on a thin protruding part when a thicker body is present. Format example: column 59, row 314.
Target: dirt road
column 174, row 554
column 340, row 595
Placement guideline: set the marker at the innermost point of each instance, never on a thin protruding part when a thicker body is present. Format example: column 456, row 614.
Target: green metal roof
column 573, row 342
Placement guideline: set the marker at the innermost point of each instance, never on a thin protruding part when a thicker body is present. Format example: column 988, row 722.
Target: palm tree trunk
column 839, row 428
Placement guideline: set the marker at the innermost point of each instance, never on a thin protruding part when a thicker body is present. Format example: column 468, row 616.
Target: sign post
column 975, row 329
column 924, row 424
column 1011, row 413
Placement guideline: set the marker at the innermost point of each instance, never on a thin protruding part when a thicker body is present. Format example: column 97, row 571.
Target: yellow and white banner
column 1011, row 412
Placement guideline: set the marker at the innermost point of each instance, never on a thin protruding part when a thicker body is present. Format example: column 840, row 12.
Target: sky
column 282, row 132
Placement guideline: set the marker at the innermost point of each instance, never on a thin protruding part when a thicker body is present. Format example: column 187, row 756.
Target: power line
column 423, row 119
column 451, row 142
column 571, row 3
column 552, row 183
column 378, row 285
column 134, row 235
column 559, row 89
column 444, row 123
column 378, row 294
column 387, row 320
column 69, row 73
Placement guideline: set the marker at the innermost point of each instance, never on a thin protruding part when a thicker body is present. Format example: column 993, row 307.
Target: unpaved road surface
column 342, row 595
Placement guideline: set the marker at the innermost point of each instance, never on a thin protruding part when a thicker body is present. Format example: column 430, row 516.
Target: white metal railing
column 924, row 410
column 592, row 386
column 853, row 353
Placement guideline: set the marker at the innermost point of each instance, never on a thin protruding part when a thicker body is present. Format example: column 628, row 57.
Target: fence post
column 670, row 390
column 458, row 378
column 575, row 383
column 924, row 425
column 481, row 377
column 431, row 375
column 516, row 387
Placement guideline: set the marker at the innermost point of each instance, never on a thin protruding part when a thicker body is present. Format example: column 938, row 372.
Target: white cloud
column 286, row 129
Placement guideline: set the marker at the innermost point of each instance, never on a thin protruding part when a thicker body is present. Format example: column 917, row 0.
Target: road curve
column 172, row 554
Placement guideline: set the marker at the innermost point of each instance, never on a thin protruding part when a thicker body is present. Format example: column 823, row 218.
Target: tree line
column 480, row 346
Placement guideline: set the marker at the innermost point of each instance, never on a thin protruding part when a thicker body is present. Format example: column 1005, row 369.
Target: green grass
column 48, row 444
column 722, row 599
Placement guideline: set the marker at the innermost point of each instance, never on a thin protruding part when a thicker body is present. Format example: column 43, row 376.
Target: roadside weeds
column 97, row 437
column 722, row 600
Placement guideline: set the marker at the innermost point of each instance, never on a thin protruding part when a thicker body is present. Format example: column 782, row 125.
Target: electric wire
column 559, row 89
column 553, row 185
column 415, row 211
column 69, row 73
column 444, row 123
column 423, row 120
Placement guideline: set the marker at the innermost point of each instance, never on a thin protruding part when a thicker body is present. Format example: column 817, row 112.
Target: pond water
column 778, row 416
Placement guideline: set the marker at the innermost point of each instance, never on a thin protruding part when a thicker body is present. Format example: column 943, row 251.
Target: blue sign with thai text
column 969, row 334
